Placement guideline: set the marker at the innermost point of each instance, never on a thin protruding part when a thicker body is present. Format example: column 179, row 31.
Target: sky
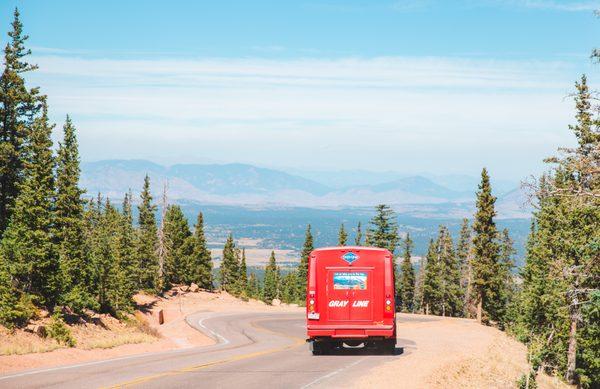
column 409, row 86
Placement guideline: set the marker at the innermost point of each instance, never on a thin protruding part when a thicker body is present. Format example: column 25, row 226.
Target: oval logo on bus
column 350, row 257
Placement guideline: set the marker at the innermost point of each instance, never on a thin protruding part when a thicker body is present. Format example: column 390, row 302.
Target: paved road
column 253, row 350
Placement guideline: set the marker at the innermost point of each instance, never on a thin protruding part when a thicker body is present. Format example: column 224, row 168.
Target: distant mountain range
column 247, row 185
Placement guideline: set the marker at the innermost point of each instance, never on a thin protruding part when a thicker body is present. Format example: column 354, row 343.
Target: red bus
column 350, row 299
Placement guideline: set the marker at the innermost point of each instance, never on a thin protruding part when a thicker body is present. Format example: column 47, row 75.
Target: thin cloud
column 563, row 5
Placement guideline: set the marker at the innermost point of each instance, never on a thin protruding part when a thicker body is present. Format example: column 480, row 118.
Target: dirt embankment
column 106, row 337
column 452, row 353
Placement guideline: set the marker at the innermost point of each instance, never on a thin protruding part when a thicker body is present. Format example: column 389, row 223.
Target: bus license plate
column 313, row 315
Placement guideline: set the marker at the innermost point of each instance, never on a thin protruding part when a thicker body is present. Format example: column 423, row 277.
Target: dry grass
column 500, row 367
column 110, row 333
column 117, row 340
column 141, row 323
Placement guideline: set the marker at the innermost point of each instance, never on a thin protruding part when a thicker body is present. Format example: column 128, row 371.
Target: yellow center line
column 141, row 380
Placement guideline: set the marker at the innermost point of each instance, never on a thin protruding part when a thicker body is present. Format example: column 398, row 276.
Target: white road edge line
column 329, row 375
column 222, row 339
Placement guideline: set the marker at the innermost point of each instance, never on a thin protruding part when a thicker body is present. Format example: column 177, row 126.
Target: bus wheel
column 319, row 348
column 387, row 346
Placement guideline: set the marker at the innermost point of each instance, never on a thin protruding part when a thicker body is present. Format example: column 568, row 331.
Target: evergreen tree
column 407, row 277
column 16, row 308
column 176, row 231
column 358, row 238
column 271, row 289
column 419, row 282
column 243, row 275
column 431, row 279
column 127, row 274
column 562, row 270
column 383, row 231
column 253, row 286
column 342, row 236
column 449, row 274
column 69, row 231
column 485, row 250
column 288, row 288
column 229, row 266
column 147, row 241
column 104, row 257
column 307, row 248
column 198, row 261
column 463, row 252
column 28, row 243
column 504, row 280
column 18, row 108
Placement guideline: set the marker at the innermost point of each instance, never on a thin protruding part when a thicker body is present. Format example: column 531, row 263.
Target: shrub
column 59, row 331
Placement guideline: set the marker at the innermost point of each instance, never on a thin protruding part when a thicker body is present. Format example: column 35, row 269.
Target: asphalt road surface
column 253, row 350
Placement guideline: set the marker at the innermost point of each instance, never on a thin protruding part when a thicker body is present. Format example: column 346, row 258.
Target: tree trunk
column 427, row 309
column 572, row 351
column 479, row 308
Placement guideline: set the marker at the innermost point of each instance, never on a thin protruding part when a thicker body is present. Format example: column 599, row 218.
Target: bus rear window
column 350, row 280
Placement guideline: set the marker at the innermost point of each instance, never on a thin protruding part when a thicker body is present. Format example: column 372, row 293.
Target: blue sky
column 412, row 86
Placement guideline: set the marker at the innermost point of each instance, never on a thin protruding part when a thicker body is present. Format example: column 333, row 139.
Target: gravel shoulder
column 451, row 353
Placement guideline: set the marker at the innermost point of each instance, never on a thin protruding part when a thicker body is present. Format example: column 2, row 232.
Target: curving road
column 253, row 350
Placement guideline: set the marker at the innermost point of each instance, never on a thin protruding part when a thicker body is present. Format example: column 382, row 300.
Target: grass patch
column 20, row 347
column 118, row 340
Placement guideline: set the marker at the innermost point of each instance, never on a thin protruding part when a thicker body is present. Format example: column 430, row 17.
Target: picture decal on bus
column 349, row 280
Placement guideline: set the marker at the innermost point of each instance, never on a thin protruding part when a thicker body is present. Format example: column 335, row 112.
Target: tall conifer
column 383, row 229
column 271, row 289
column 358, row 238
column 147, row 240
column 342, row 236
column 407, row 276
column 307, row 248
column 485, row 249
column 229, row 266
column 176, row 231
column 28, row 243
column 69, row 231
column 18, row 108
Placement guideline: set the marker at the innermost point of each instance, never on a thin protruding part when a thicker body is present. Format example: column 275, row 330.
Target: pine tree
column 358, row 238
column 69, row 231
column 449, row 274
column 198, row 261
column 147, row 241
column 103, row 256
column 125, row 256
column 504, row 280
column 418, row 305
column 431, row 279
column 562, row 270
column 28, row 243
column 342, row 236
column 271, row 289
column 253, row 286
column 16, row 307
column 243, row 275
column 229, row 266
column 176, row 231
column 485, row 250
column 463, row 252
column 383, row 231
column 18, row 108
column 407, row 277
column 307, row 248
column 288, row 288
